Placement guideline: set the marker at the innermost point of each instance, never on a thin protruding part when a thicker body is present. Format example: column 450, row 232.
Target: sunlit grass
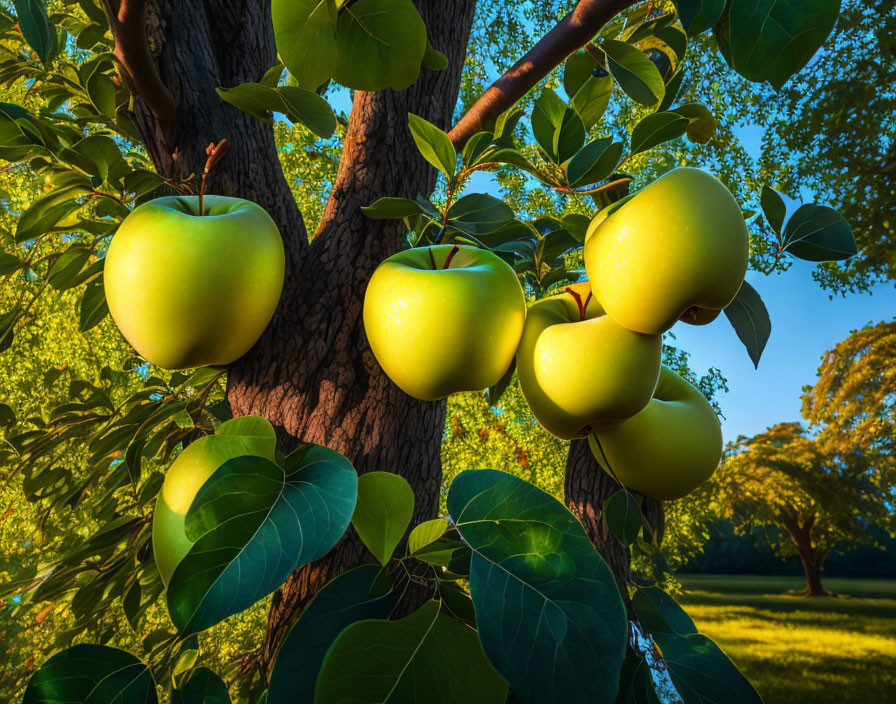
column 802, row 651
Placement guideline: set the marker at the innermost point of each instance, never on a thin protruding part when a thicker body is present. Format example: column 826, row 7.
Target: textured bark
column 587, row 486
column 312, row 373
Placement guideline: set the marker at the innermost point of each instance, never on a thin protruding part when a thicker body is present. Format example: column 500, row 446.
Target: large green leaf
column 749, row 318
column 479, row 213
column 203, row 687
column 623, row 516
column 701, row 124
column 91, row 674
column 818, row 233
column 340, row 603
column 388, row 207
column 298, row 104
column 593, row 162
column 381, row 44
column 698, row 15
column 700, row 671
column 557, row 128
column 770, row 40
column 592, row 99
column 37, row 29
column 656, row 128
column 433, row 144
column 773, row 208
column 253, row 523
column 549, row 613
column 635, row 73
column 383, row 512
column 425, row 657
column 305, row 33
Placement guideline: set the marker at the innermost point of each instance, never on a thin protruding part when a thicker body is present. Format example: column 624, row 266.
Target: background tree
column 810, row 499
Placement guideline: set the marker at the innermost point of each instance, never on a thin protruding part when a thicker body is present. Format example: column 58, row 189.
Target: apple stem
column 454, row 250
column 432, row 259
column 578, row 300
column 215, row 153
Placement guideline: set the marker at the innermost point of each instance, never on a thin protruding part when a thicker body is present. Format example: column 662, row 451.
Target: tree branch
column 568, row 35
column 128, row 25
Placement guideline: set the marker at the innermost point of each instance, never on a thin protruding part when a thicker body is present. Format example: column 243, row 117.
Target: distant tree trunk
column 312, row 373
column 810, row 557
column 587, row 487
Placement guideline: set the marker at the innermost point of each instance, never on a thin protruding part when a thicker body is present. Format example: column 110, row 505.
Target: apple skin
column 189, row 291
column 439, row 331
column 193, row 466
column 680, row 242
column 670, row 447
column 581, row 376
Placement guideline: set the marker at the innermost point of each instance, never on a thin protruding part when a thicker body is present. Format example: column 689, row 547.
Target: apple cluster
column 445, row 319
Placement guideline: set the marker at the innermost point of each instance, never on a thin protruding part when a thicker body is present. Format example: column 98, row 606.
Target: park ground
column 838, row 650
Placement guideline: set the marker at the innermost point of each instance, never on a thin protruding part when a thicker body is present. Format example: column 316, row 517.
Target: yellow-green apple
column 189, row 290
column 579, row 370
column 666, row 450
column 677, row 245
column 444, row 319
column 189, row 472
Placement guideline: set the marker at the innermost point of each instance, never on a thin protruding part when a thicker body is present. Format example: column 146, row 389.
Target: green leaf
column 271, row 77
column 818, row 233
column 63, row 272
column 592, row 99
column 594, row 162
column 307, row 108
column 247, row 427
column 672, row 89
column 425, row 657
column 203, row 687
column 91, row 674
column 557, row 128
column 700, row 671
column 635, row 73
column 427, row 533
column 47, row 212
column 773, row 208
column 93, row 307
column 433, row 144
column 698, row 15
column 253, row 523
column 637, row 683
column 392, row 208
column 434, row 60
column 37, row 29
column 9, row 263
column 494, row 393
column 340, row 603
column 479, row 213
column 101, row 91
column 298, row 104
column 623, row 516
column 656, row 128
column 701, row 124
column 381, row 44
column 383, row 512
column 749, row 318
column 305, row 34
column 770, row 40
column 549, row 614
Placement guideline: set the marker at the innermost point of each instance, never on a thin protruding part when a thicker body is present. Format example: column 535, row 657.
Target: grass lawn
column 794, row 650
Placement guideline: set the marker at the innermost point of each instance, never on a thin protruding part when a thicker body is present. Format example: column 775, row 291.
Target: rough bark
column 312, row 373
column 586, row 487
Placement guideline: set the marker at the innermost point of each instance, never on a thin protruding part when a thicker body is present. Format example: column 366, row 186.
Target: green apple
column 678, row 244
column 437, row 329
column 579, row 370
column 670, row 447
column 247, row 435
column 189, row 290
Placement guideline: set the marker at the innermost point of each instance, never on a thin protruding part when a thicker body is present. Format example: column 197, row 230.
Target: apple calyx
column 215, row 153
column 578, row 299
column 454, row 250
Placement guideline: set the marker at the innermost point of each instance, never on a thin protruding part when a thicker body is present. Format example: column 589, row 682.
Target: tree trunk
column 312, row 373
column 587, row 487
column 813, row 576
